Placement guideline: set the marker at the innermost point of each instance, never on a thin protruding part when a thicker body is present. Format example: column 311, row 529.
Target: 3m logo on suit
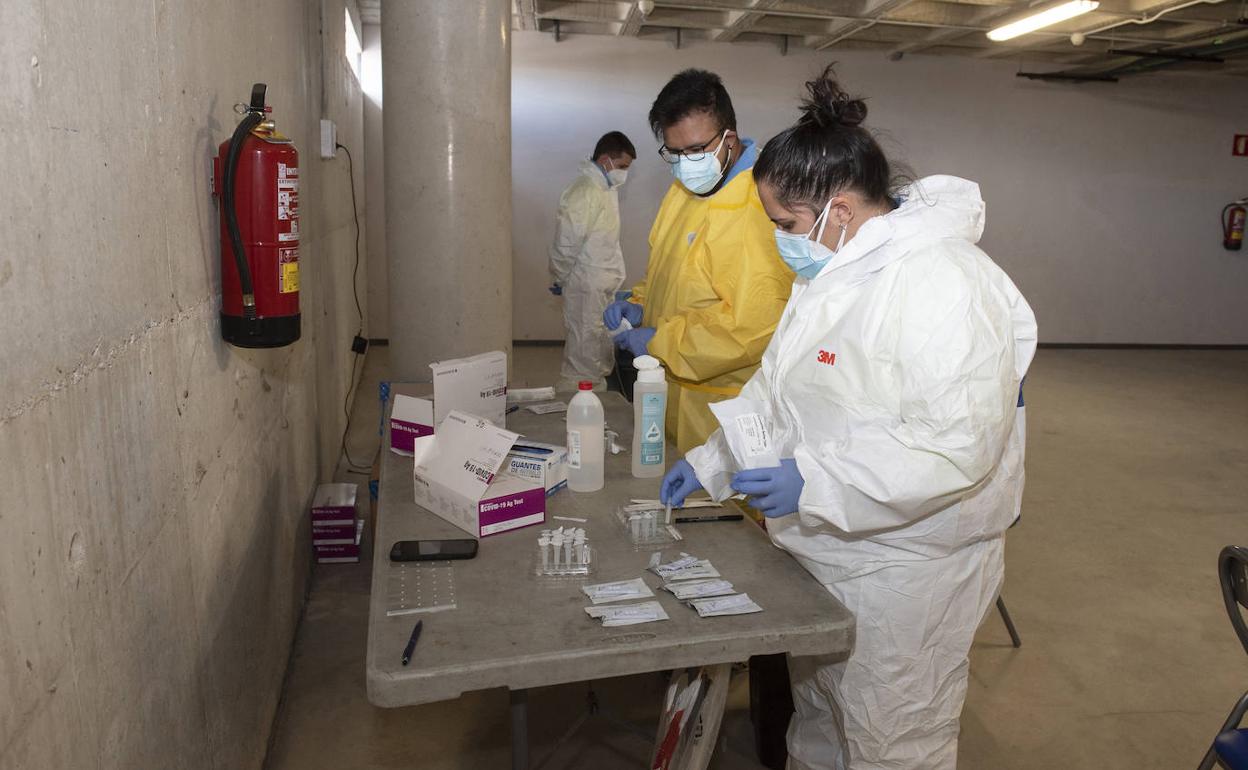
column 826, row 358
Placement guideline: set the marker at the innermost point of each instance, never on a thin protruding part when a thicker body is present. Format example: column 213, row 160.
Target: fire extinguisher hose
column 250, row 121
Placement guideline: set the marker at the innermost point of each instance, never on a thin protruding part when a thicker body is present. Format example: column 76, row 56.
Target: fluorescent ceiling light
column 1045, row 17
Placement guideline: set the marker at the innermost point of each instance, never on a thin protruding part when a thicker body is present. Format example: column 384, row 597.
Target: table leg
column 519, row 729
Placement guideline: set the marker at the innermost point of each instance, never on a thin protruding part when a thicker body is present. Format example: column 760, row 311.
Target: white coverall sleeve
column 713, row 462
column 955, row 365
column 571, row 230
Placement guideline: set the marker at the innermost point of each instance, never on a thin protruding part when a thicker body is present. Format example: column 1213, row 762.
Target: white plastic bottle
column 649, row 417
column 586, row 449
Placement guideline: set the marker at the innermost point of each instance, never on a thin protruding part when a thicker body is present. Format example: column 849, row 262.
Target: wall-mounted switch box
column 329, row 139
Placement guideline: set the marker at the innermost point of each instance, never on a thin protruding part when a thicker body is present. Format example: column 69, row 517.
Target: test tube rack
column 646, row 527
column 563, row 553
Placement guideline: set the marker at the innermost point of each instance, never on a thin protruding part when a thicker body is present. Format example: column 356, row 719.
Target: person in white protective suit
column 892, row 389
column 586, row 262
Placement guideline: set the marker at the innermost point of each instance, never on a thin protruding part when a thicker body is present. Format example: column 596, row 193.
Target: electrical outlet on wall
column 329, row 139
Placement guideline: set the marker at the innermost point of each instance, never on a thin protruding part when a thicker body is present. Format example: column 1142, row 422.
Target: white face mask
column 616, row 177
column 701, row 175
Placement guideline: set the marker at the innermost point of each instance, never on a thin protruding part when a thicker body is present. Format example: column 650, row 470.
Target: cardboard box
column 410, row 418
column 535, row 461
column 333, row 534
column 334, row 504
column 476, row 385
column 341, row 553
column 456, row 475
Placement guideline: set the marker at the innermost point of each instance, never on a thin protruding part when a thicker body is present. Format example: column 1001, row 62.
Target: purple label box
column 404, row 434
column 512, row 511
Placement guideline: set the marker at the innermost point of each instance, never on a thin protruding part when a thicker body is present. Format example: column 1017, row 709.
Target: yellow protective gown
column 714, row 290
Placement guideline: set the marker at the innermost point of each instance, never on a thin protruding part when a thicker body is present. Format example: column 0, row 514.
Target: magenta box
column 345, row 531
column 334, row 504
column 332, row 554
column 403, row 434
column 503, row 513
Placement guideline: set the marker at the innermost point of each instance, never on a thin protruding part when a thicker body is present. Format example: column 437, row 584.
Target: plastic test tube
column 668, row 518
column 542, row 542
column 556, row 543
column 567, row 551
column 634, row 522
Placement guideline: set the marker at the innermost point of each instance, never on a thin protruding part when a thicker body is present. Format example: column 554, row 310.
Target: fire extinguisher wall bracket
column 259, row 173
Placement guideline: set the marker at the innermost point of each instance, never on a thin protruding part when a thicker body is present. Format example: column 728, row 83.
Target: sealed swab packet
column 737, row 604
column 620, row 590
column 685, row 568
column 529, row 395
column 699, row 589
column 628, row 614
column 550, row 408
column 663, row 569
column 748, row 431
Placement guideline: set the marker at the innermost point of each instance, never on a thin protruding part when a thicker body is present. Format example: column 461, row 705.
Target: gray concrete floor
column 1137, row 475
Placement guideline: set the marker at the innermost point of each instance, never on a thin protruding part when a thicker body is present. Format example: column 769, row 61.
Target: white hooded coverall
column 587, row 262
column 893, row 380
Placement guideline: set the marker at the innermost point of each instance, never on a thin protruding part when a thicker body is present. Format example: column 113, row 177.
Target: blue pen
column 411, row 643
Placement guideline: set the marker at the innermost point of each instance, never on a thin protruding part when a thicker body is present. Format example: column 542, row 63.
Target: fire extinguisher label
column 288, row 201
column 288, row 270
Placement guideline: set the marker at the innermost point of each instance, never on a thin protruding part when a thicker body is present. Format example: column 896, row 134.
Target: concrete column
column 446, row 72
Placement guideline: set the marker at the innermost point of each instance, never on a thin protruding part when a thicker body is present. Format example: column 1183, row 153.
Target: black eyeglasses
column 695, row 153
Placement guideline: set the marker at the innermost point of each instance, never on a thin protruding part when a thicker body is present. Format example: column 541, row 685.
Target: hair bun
column 828, row 105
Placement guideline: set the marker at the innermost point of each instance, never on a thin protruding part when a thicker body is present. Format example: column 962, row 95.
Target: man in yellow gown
column 715, row 285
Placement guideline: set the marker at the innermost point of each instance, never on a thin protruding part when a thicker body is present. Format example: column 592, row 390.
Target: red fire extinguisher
column 1233, row 217
column 256, row 177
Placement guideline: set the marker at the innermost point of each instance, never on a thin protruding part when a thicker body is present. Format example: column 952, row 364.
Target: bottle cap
column 648, row 369
column 585, row 385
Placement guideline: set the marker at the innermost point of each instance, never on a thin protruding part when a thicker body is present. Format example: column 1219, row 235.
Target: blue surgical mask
column 805, row 255
column 701, row 175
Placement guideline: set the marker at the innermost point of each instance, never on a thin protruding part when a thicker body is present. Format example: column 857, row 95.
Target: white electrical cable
column 1146, row 19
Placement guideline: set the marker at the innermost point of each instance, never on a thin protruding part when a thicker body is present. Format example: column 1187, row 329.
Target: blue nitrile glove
column 774, row 491
column 678, row 484
column 622, row 309
column 556, row 289
column 635, row 340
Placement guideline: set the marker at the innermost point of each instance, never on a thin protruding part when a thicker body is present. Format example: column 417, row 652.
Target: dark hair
column 613, row 144
column 826, row 151
column 689, row 92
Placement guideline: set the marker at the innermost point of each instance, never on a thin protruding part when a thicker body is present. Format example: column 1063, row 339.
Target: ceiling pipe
column 1152, row 65
column 1173, row 55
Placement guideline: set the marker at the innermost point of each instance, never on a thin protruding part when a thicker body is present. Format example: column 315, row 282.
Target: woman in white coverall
column 586, row 261
column 891, row 385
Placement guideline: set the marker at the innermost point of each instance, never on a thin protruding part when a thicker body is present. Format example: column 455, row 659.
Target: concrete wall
column 155, row 481
column 378, row 297
column 1102, row 199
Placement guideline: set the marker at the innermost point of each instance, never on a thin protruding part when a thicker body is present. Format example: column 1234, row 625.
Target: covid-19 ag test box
column 410, row 418
column 457, row 476
column 476, row 385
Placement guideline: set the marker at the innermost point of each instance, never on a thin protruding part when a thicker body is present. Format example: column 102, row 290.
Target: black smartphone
column 433, row 550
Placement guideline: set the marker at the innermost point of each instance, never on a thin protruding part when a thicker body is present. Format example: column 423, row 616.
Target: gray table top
column 512, row 630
